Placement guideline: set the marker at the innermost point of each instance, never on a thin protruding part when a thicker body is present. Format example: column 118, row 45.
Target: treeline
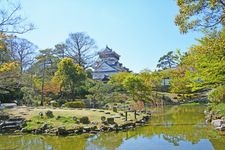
column 31, row 76
column 37, row 77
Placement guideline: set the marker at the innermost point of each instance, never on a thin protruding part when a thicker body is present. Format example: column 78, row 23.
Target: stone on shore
column 217, row 123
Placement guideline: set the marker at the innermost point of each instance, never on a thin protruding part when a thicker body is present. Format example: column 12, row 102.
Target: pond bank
column 68, row 121
column 215, row 114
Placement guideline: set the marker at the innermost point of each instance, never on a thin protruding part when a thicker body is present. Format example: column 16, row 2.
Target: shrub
column 75, row 104
column 84, row 120
column 217, row 95
column 54, row 104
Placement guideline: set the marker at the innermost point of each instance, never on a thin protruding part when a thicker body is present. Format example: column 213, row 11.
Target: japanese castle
column 107, row 65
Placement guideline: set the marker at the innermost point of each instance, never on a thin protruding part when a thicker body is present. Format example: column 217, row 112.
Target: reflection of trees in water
column 173, row 139
column 67, row 143
column 175, row 124
column 23, row 142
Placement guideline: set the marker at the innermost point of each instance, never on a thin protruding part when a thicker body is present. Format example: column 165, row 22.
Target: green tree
column 205, row 61
column 100, row 93
column 71, row 76
column 117, row 80
column 180, row 81
column 169, row 60
column 44, row 60
column 134, row 85
column 200, row 14
column 9, row 80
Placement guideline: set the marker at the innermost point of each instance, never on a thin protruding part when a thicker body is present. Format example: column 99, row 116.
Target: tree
column 180, row 81
column 70, row 76
column 22, row 51
column 134, row 85
column 80, row 47
column 205, row 61
column 60, row 50
column 100, row 93
column 10, row 19
column 117, row 80
column 9, row 78
column 4, row 52
column 200, row 14
column 44, row 58
column 169, row 60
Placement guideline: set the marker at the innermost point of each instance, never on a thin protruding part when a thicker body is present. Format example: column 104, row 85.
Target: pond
column 174, row 127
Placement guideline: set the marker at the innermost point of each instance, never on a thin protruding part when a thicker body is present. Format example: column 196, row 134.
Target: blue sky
column 141, row 31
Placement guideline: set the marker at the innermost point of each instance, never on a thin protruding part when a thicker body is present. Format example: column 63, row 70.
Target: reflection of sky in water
column 159, row 143
column 183, row 128
column 156, row 142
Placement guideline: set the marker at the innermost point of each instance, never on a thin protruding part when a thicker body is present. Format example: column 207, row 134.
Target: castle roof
column 107, row 52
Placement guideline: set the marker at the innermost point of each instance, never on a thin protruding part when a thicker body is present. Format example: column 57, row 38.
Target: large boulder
column 221, row 128
column 217, row 123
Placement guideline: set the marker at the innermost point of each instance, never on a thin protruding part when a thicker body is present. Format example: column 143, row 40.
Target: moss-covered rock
column 84, row 120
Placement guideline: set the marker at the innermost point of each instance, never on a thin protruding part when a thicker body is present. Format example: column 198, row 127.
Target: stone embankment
column 218, row 122
column 15, row 125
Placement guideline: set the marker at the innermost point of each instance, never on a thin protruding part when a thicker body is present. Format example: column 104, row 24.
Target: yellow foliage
column 8, row 67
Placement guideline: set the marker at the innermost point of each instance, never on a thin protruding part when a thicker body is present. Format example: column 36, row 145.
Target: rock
column 146, row 118
column 114, row 109
column 107, row 113
column 44, row 127
column 103, row 118
column 58, row 117
column 217, row 123
column 38, row 131
column 149, row 113
column 94, row 132
column 105, row 123
column 103, row 128
column 121, row 114
column 49, row 114
column 61, row 131
column 221, row 128
column 110, row 121
column 4, row 117
column 84, row 120
column 79, row 130
column 223, row 119
column 24, row 130
column 86, row 129
column 128, row 125
column 40, row 114
column 74, row 118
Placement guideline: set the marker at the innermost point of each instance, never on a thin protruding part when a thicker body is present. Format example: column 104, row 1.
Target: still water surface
column 170, row 128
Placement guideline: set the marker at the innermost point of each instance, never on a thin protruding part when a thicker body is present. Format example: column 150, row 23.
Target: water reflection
column 177, row 127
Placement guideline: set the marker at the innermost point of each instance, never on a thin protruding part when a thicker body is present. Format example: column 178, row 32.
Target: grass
column 66, row 116
column 37, row 122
